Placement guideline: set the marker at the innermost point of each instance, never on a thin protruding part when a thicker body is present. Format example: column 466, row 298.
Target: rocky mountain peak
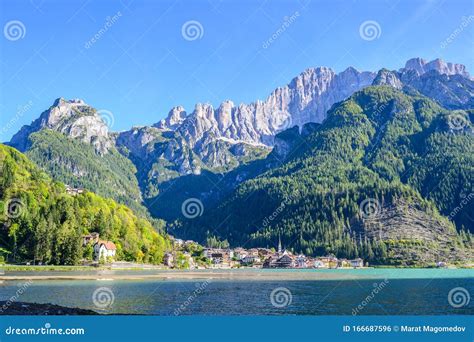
column 176, row 117
column 75, row 119
column 447, row 83
column 422, row 66
column 416, row 64
column 306, row 98
column 387, row 77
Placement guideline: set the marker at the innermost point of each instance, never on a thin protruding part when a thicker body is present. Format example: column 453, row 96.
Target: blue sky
column 141, row 64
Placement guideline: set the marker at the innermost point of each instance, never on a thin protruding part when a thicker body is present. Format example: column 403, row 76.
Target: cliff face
column 73, row 118
column 447, row 83
column 305, row 99
column 221, row 138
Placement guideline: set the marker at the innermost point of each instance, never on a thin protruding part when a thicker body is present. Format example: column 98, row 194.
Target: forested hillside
column 41, row 222
column 370, row 181
column 76, row 163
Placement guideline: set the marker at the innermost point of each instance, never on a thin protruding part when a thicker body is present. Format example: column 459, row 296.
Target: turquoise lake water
column 371, row 292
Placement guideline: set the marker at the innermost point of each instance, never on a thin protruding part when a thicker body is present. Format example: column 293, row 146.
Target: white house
column 301, row 261
column 249, row 260
column 104, row 249
column 320, row 264
column 357, row 263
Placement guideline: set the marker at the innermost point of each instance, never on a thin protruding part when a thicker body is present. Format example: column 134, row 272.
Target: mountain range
column 320, row 145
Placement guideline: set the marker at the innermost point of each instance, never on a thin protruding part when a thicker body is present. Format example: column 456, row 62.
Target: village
column 190, row 255
column 262, row 258
column 225, row 258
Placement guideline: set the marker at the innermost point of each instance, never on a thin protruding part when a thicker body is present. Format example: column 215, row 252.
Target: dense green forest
column 41, row 222
column 400, row 151
column 76, row 163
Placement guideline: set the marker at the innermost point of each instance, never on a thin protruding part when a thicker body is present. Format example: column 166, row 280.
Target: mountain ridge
column 213, row 154
column 365, row 150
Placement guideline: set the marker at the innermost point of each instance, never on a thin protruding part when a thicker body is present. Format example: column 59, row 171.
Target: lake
column 255, row 292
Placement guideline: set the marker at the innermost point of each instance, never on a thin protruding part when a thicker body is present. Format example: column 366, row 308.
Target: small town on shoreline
column 188, row 254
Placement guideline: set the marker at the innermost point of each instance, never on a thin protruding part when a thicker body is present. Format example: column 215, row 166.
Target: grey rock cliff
column 75, row 119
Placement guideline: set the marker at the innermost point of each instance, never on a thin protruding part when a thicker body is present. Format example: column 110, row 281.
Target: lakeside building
column 329, row 261
column 263, row 252
column 280, row 260
column 240, row 253
column 301, row 261
column 250, row 260
column 343, row 263
column 104, row 250
column 356, row 263
column 319, row 264
column 217, row 256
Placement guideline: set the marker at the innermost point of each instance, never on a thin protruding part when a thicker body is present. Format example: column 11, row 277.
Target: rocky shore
column 34, row 309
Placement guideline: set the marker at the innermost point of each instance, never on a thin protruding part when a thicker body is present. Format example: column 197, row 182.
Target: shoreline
column 37, row 309
column 188, row 275
column 229, row 274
